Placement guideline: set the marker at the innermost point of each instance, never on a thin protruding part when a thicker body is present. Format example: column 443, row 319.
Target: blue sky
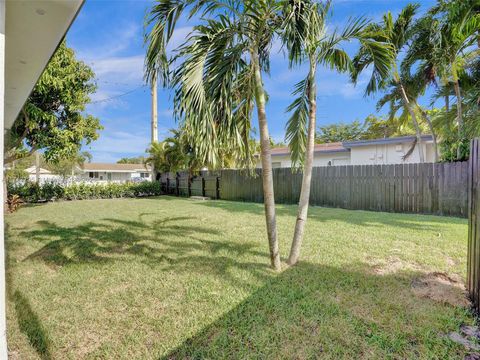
column 108, row 35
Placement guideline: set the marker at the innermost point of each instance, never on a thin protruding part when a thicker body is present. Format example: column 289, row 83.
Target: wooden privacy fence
column 184, row 184
column 473, row 257
column 414, row 188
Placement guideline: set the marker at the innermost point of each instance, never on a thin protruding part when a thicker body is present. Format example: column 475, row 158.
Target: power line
column 117, row 96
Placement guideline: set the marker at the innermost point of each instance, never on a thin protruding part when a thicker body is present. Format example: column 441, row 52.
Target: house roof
column 346, row 145
column 108, row 167
column 33, row 30
column 319, row 149
column 33, row 170
column 391, row 140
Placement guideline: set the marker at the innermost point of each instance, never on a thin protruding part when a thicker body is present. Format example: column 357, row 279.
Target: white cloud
column 112, row 43
column 118, row 142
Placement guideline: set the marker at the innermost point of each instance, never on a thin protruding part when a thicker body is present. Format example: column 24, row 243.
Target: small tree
column 340, row 132
column 53, row 117
column 66, row 166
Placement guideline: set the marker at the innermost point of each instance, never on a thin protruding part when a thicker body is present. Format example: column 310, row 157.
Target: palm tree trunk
column 154, row 117
column 432, row 130
column 267, row 173
column 307, row 170
column 456, row 87
column 418, row 133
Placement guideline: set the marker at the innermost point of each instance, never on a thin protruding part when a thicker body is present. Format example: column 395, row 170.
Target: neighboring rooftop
column 391, row 140
column 346, row 145
column 108, row 167
column 33, row 170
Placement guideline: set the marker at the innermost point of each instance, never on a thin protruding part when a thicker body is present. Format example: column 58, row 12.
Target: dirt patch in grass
column 393, row 265
column 441, row 287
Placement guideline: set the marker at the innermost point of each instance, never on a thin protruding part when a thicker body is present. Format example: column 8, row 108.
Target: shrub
column 13, row 203
column 32, row 192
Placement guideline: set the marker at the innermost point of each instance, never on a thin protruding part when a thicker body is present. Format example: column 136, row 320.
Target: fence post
column 203, row 186
column 168, row 186
column 189, row 186
column 217, row 188
column 177, row 182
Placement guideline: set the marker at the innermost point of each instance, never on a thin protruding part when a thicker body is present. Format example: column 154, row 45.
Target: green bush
column 32, row 192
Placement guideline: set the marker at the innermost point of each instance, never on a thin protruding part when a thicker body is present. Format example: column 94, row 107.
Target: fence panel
column 439, row 189
column 473, row 259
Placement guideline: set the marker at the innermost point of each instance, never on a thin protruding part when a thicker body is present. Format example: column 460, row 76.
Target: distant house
column 106, row 172
column 362, row 152
column 43, row 176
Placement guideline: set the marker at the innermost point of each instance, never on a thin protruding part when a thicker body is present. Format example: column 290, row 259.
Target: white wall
column 3, row 322
column 45, row 178
column 364, row 155
column 389, row 154
column 320, row 159
column 115, row 177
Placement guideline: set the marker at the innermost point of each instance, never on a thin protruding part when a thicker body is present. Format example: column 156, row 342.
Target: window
column 144, row 175
column 93, row 175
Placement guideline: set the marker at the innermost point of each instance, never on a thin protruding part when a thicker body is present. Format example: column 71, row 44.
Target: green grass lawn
column 177, row 278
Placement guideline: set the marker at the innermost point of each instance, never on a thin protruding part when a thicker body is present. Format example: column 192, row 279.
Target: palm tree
column 219, row 83
column 306, row 38
column 420, row 58
column 455, row 29
column 393, row 35
column 173, row 154
column 219, row 80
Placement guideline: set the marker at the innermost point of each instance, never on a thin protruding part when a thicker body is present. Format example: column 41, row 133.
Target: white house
column 30, row 31
column 44, row 175
column 106, row 172
column 362, row 152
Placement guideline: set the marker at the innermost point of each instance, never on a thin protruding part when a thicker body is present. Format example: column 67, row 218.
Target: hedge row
column 32, row 192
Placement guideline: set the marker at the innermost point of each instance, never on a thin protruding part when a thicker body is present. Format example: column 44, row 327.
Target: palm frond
column 296, row 127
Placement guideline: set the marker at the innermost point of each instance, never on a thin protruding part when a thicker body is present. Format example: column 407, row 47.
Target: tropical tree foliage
column 338, row 132
column 173, row 154
column 132, row 160
column 444, row 51
column 393, row 35
column 53, row 117
column 68, row 166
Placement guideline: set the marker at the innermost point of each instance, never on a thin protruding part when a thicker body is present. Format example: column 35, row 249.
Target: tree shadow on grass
column 29, row 323
column 314, row 311
column 169, row 244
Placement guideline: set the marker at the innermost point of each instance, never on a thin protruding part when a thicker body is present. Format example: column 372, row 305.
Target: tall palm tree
column 306, row 38
column 420, row 58
column 394, row 34
column 219, row 80
column 455, row 29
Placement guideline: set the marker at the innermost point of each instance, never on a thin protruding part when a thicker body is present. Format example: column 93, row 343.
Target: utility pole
column 154, row 116
column 37, row 167
column 154, row 109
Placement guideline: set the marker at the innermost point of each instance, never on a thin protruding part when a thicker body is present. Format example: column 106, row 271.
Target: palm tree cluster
column 217, row 75
column 441, row 50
